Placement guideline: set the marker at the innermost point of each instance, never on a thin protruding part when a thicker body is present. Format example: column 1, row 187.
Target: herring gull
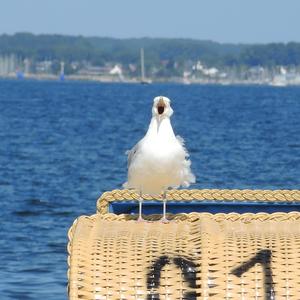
column 159, row 161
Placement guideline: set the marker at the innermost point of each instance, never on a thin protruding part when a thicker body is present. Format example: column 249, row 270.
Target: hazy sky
column 219, row 20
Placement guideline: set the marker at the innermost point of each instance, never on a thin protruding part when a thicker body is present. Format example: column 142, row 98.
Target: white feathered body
column 159, row 161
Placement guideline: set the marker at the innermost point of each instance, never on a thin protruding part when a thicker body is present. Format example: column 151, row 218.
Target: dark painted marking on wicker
column 188, row 270
column 263, row 257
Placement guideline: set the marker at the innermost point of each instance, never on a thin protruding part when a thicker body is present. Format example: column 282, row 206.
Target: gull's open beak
column 161, row 106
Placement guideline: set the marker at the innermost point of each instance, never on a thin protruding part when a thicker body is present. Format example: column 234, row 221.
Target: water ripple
column 63, row 144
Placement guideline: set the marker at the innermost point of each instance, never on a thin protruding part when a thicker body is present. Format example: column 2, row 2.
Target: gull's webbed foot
column 140, row 219
column 164, row 220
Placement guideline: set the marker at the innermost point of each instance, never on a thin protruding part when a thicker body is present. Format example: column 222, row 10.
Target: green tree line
column 99, row 50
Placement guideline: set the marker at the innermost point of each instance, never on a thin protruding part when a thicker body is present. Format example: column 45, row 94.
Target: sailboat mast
column 142, row 64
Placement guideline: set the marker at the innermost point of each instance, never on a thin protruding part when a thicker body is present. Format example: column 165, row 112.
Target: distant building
column 43, row 67
column 116, row 70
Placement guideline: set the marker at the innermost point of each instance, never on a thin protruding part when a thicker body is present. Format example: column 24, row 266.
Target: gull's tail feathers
column 187, row 174
column 182, row 143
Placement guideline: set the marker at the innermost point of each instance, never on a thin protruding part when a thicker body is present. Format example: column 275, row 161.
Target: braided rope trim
column 190, row 217
column 195, row 216
column 279, row 196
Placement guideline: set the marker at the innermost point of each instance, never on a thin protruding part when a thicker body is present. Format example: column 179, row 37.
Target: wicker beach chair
column 221, row 251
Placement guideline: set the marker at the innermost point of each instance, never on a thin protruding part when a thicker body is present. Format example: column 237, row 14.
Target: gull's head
column 162, row 107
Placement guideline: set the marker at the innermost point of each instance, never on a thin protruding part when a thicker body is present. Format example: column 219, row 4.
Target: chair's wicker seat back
column 195, row 256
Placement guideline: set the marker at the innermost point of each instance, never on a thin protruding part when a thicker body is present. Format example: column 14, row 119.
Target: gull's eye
column 160, row 110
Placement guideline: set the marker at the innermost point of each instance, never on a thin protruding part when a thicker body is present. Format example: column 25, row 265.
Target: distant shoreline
column 112, row 79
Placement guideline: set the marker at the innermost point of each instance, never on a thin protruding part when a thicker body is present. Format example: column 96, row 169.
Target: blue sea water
column 63, row 144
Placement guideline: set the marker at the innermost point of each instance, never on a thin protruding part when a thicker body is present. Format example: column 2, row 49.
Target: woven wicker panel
column 195, row 256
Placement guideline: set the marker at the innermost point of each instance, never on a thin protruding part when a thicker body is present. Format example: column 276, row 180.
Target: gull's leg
column 140, row 218
column 164, row 218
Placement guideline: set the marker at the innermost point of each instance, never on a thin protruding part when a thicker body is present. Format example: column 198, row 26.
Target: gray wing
column 132, row 153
